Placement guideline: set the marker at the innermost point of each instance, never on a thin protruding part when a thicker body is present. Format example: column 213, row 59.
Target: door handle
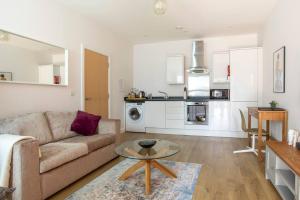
column 87, row 98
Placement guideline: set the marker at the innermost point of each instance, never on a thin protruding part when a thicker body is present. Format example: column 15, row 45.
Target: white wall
column 49, row 22
column 282, row 29
column 149, row 60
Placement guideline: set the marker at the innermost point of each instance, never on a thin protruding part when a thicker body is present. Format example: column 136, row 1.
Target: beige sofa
column 65, row 156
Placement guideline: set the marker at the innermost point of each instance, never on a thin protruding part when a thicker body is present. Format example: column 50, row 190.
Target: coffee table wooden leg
column 168, row 172
column 148, row 177
column 132, row 169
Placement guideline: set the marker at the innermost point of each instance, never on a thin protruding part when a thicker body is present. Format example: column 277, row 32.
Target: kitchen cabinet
column 220, row 67
column 175, row 69
column 219, row 115
column 235, row 116
column 155, row 114
column 175, row 114
column 245, row 65
column 244, row 75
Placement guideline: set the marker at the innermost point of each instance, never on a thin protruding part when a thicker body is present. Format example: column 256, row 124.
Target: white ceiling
column 136, row 20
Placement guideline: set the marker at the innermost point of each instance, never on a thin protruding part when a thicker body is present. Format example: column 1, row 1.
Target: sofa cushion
column 58, row 153
column 33, row 124
column 85, row 123
column 93, row 142
column 60, row 124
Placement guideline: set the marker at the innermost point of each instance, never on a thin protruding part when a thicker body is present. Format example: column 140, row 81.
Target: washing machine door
column 135, row 114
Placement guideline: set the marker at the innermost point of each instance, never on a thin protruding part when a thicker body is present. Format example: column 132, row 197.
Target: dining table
column 267, row 114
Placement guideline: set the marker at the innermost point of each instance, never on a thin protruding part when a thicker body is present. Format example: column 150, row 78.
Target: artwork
column 5, row 76
column 279, row 70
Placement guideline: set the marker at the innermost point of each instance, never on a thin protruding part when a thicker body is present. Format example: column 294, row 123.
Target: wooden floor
column 223, row 175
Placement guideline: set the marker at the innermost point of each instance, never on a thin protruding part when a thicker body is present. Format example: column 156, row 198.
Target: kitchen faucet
column 166, row 94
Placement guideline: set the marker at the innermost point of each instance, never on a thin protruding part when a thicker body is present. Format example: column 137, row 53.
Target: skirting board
column 122, row 130
column 197, row 132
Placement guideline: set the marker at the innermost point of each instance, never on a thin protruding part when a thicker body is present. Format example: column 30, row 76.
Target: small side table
column 268, row 114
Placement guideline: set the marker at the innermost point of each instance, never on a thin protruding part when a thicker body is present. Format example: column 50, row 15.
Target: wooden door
column 96, row 83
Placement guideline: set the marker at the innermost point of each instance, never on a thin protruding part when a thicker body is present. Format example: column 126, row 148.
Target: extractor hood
column 198, row 66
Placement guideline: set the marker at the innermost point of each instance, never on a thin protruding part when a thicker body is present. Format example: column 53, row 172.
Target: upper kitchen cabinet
column 244, row 65
column 220, row 67
column 175, row 69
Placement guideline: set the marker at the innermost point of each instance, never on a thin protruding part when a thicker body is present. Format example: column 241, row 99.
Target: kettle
column 142, row 94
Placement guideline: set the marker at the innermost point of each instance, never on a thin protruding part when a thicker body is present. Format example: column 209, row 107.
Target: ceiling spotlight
column 160, row 7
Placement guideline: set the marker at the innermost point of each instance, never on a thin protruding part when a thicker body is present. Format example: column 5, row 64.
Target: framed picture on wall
column 279, row 70
column 5, row 76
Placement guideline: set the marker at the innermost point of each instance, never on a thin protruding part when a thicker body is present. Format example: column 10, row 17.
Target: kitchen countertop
column 174, row 98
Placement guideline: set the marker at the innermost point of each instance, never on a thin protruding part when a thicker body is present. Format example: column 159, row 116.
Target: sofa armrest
column 110, row 126
column 25, row 173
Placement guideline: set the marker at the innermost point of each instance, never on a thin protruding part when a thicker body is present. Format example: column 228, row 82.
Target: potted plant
column 273, row 104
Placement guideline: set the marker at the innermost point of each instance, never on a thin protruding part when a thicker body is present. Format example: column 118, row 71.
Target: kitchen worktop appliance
column 221, row 94
column 196, row 112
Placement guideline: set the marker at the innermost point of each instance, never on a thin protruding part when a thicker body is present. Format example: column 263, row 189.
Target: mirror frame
column 45, row 84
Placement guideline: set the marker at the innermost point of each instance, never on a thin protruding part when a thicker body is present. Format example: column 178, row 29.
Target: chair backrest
column 243, row 121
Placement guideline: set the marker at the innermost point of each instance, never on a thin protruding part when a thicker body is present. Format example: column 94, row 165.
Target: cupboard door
column 220, row 113
column 244, row 75
column 220, row 67
column 175, row 114
column 175, row 70
column 155, row 114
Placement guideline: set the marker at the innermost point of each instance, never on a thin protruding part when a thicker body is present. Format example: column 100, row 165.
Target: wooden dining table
column 267, row 114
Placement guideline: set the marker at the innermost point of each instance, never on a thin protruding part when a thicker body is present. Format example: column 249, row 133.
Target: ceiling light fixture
column 160, row 7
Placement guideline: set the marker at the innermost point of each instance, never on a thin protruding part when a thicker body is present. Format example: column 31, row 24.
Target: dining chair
column 253, row 133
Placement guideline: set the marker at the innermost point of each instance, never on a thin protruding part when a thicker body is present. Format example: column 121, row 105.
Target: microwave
column 220, row 94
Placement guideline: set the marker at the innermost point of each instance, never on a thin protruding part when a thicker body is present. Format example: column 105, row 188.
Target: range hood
column 198, row 66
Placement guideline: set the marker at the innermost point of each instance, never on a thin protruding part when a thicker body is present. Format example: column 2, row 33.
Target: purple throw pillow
column 85, row 123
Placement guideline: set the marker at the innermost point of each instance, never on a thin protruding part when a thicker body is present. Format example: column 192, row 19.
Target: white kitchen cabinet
column 155, row 114
column 244, row 75
column 220, row 67
column 175, row 114
column 220, row 115
column 175, row 69
column 235, row 116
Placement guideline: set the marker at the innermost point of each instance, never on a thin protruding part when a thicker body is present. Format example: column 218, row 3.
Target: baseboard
column 122, row 130
column 197, row 132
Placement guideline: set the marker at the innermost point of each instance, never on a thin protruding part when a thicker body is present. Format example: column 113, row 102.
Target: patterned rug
column 108, row 187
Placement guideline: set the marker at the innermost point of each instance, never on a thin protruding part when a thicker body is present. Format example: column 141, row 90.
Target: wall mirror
column 24, row 60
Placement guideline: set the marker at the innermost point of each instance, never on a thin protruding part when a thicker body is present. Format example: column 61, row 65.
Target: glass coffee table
column 147, row 157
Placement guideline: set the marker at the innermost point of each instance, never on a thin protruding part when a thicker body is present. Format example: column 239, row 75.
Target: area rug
column 108, row 187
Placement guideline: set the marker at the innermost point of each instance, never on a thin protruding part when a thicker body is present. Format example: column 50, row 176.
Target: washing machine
column 135, row 117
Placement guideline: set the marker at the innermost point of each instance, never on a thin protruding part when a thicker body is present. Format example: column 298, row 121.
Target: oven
column 196, row 113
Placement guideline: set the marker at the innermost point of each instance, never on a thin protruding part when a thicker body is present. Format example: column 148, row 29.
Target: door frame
column 82, row 79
